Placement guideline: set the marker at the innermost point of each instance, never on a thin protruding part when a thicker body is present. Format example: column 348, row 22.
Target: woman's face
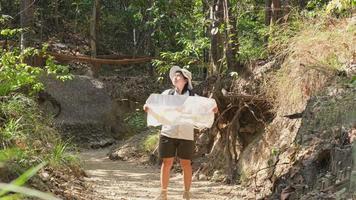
column 179, row 81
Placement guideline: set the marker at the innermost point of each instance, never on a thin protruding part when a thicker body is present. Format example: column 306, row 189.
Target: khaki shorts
column 171, row 147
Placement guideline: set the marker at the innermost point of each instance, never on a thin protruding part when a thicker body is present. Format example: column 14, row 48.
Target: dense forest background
column 225, row 34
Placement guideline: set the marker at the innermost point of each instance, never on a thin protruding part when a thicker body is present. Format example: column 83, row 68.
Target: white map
column 179, row 110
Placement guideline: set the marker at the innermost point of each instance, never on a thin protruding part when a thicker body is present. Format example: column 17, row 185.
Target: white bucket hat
column 187, row 74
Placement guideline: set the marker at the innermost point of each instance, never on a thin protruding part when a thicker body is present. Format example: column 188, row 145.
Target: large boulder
column 83, row 110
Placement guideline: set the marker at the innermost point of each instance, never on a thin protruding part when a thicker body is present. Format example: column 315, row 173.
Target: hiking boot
column 162, row 196
column 186, row 195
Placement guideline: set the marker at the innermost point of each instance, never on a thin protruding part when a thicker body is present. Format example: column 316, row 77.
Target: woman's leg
column 165, row 171
column 187, row 173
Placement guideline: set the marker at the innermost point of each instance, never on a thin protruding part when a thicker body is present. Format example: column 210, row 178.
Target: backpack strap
column 191, row 93
column 171, row 92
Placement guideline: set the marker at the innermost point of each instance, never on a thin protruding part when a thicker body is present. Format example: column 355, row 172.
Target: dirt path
column 121, row 180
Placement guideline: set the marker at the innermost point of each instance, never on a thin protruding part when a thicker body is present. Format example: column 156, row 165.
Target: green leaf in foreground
column 26, row 191
column 21, row 179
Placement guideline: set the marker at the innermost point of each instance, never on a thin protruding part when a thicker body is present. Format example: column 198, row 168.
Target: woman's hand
column 145, row 108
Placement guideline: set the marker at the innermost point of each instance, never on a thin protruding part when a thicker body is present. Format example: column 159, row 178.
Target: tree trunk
column 231, row 46
column 94, row 28
column 268, row 12
column 56, row 14
column 217, row 45
column 76, row 17
column 205, row 9
column 276, row 11
column 93, row 35
column 134, row 42
column 27, row 8
column 224, row 43
column 148, row 46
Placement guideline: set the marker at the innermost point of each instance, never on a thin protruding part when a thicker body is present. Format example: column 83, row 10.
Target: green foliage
column 10, row 32
column 339, row 6
column 191, row 55
column 136, row 121
column 314, row 6
column 279, row 35
column 252, row 33
column 275, row 151
column 22, row 127
column 59, row 155
column 311, row 58
column 329, row 8
column 353, row 81
column 21, row 180
column 187, row 47
column 10, row 131
column 151, row 142
column 18, row 106
column 332, row 62
column 16, row 74
column 15, row 196
column 15, row 186
column 10, row 154
column 21, row 192
column 26, row 138
column 13, row 113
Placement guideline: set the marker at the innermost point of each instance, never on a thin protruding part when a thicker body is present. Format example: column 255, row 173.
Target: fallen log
column 94, row 61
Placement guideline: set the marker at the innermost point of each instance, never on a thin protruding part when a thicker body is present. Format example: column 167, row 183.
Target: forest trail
column 122, row 180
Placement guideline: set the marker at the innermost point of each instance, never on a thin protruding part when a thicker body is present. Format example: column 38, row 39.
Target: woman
column 177, row 140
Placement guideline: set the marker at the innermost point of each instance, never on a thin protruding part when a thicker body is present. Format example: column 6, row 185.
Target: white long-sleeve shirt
column 185, row 132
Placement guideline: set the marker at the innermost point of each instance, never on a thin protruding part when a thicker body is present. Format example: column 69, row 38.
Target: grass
column 27, row 139
column 11, row 153
column 318, row 50
column 332, row 113
column 21, row 192
column 151, row 142
column 59, row 155
column 17, row 186
column 10, row 131
column 325, row 45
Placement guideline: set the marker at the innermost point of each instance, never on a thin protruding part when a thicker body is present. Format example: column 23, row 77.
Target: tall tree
column 224, row 41
column 273, row 11
column 27, row 9
column 216, row 49
column 56, row 13
column 94, row 27
column 268, row 12
column 93, row 34
column 231, row 46
column 276, row 11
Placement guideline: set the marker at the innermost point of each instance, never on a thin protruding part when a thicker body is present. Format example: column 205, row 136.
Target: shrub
column 151, row 142
column 136, row 121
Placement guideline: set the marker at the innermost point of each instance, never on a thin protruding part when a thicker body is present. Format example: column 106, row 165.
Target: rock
column 86, row 112
column 132, row 148
column 202, row 177
column 45, row 176
column 218, row 176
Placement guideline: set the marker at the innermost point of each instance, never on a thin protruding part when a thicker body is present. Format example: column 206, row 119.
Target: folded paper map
column 180, row 110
